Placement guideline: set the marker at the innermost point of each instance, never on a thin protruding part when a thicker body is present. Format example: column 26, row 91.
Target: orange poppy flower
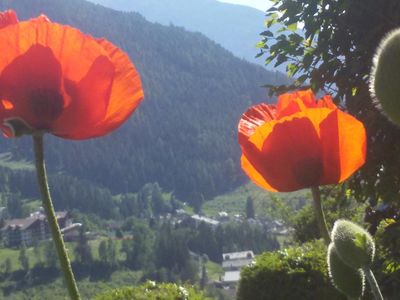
column 56, row 79
column 300, row 142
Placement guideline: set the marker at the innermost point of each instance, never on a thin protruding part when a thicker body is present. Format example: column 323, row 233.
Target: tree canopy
column 329, row 45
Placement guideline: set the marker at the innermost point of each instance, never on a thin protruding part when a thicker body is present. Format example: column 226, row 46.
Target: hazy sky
column 262, row 5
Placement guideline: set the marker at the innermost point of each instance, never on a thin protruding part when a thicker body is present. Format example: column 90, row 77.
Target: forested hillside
column 183, row 136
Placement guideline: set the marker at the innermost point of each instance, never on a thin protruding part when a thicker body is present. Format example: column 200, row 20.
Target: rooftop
column 27, row 222
column 238, row 255
column 205, row 220
column 21, row 223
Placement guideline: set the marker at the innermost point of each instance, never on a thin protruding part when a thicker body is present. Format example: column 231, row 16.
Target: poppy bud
column 347, row 280
column 353, row 244
column 385, row 77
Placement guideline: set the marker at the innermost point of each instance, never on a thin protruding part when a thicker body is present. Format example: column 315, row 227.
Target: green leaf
column 259, row 54
column 292, row 27
column 282, row 29
column 291, row 69
column 260, row 45
column 272, row 19
column 268, row 60
column 273, row 8
column 267, row 33
column 302, row 78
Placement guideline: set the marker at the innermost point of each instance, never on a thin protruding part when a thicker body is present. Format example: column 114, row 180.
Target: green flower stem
column 51, row 217
column 373, row 284
column 319, row 214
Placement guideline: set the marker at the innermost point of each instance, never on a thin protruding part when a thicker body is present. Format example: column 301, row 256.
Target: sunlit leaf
column 292, row 27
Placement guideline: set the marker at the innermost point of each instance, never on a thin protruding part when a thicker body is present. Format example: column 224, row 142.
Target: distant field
column 266, row 203
column 214, row 271
column 13, row 254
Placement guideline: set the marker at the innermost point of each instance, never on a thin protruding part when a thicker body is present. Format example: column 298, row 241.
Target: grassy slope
column 13, row 254
column 267, row 204
column 54, row 289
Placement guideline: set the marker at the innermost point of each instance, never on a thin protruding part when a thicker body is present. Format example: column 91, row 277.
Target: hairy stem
column 373, row 284
column 51, row 217
column 319, row 214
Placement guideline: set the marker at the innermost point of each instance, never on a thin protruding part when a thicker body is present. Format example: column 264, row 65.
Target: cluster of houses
column 15, row 233
column 234, row 262
column 277, row 227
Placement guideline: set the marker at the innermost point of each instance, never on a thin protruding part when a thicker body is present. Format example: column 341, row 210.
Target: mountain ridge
column 234, row 27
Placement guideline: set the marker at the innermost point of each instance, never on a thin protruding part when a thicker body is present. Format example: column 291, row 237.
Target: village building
column 197, row 219
column 232, row 263
column 28, row 231
column 237, row 260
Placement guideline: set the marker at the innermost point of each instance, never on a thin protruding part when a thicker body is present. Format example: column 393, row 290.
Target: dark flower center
column 308, row 171
column 46, row 105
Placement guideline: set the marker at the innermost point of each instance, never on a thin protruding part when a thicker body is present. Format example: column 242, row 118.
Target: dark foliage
column 334, row 52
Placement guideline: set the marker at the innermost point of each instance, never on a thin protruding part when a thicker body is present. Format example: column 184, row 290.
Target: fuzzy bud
column 347, row 280
column 353, row 244
column 385, row 76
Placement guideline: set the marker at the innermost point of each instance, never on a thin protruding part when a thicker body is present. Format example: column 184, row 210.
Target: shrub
column 153, row 291
column 293, row 273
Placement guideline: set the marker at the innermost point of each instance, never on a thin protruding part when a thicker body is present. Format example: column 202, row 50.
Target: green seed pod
column 385, row 76
column 347, row 280
column 353, row 244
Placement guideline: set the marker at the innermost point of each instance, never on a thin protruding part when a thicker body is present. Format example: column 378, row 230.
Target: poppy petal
column 37, row 68
column 90, row 100
column 41, row 18
column 257, row 177
column 291, row 154
column 343, row 139
column 8, row 17
column 31, row 83
column 327, row 102
column 126, row 93
column 291, row 103
column 74, row 50
column 288, row 153
column 254, row 117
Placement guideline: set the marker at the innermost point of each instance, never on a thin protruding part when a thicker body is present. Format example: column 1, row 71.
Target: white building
column 198, row 219
column 237, row 260
column 17, row 232
column 232, row 263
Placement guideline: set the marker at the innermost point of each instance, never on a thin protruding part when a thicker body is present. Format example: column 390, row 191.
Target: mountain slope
column 234, row 27
column 184, row 133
